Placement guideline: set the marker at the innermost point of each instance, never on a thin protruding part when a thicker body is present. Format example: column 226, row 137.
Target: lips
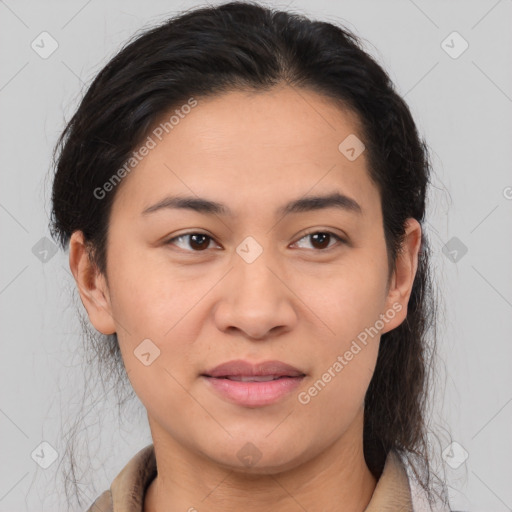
column 244, row 371
column 252, row 378
column 253, row 385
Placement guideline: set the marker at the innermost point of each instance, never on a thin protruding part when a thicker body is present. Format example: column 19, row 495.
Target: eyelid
column 188, row 233
column 340, row 239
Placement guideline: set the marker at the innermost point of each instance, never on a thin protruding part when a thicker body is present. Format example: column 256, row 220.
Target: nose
column 256, row 299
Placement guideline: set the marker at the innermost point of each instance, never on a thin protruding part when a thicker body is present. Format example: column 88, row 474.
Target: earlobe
column 91, row 285
column 405, row 270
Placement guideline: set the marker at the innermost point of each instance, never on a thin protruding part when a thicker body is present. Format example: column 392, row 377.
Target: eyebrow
column 304, row 204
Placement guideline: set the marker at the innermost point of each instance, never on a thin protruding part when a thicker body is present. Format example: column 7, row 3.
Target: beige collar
column 126, row 494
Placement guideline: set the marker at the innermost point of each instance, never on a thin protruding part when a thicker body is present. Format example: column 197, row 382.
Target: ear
column 406, row 265
column 91, row 285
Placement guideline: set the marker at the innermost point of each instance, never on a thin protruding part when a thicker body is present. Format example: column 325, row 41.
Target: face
column 189, row 289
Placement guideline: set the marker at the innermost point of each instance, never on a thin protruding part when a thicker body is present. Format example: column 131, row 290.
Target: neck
column 334, row 479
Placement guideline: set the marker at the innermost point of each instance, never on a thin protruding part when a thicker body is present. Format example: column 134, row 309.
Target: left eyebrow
column 309, row 203
column 301, row 205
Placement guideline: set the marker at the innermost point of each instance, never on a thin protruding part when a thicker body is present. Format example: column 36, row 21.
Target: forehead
column 252, row 148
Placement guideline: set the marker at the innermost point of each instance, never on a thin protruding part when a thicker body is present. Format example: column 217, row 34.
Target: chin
column 253, row 460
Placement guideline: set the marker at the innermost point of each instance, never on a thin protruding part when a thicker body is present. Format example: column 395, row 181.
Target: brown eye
column 197, row 241
column 320, row 239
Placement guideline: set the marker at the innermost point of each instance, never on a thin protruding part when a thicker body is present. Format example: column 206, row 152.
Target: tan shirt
column 127, row 491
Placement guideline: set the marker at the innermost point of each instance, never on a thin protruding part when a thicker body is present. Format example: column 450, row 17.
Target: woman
column 242, row 193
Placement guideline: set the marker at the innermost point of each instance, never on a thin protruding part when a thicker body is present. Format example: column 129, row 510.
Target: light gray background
column 462, row 106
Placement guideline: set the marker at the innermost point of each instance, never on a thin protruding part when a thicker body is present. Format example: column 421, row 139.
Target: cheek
column 349, row 305
column 335, row 395
column 345, row 358
column 347, row 297
column 151, row 308
column 150, row 296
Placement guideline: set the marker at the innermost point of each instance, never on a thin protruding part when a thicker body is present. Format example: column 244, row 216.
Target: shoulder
column 419, row 497
column 103, row 503
column 127, row 491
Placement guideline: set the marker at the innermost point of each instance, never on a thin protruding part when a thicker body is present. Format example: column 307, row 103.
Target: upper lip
column 240, row 367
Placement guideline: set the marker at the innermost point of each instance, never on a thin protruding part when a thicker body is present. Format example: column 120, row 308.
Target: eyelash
column 339, row 239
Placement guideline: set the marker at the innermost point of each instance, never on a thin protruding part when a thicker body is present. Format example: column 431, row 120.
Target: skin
column 297, row 302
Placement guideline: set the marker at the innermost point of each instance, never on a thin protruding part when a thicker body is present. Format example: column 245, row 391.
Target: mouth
column 256, row 378
column 245, row 369
column 253, row 385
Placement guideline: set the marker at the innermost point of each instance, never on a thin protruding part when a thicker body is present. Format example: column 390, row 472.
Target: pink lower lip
column 254, row 394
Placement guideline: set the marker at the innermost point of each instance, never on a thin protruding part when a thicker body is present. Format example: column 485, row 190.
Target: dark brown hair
column 246, row 46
